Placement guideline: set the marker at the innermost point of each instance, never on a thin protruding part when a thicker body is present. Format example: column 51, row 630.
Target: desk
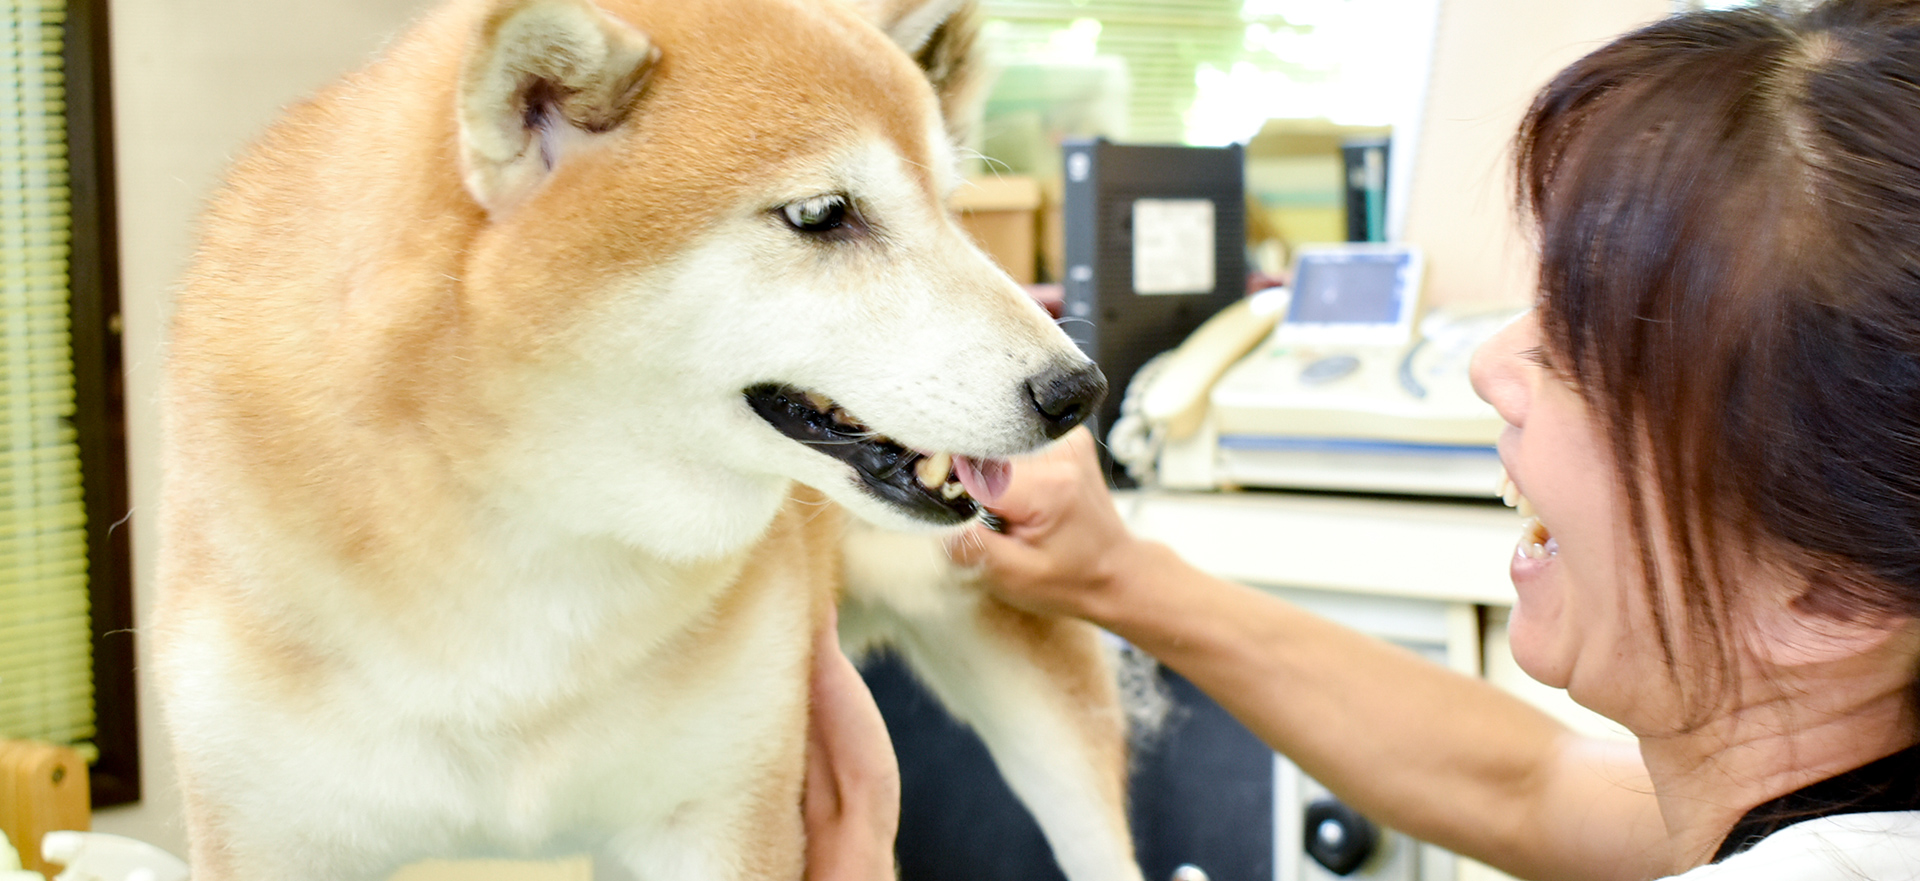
column 1450, row 551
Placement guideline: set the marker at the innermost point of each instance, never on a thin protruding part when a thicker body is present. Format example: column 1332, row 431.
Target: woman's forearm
column 1442, row 756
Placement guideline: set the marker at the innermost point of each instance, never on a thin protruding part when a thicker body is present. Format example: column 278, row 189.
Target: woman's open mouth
column 941, row 488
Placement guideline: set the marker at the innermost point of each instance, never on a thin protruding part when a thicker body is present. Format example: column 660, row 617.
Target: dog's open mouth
column 940, row 488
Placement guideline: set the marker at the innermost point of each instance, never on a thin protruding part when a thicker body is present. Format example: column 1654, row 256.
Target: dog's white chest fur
column 522, row 716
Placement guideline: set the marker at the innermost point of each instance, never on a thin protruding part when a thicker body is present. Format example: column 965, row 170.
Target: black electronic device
column 1155, row 244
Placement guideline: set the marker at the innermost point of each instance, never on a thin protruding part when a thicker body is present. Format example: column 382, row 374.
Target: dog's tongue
column 984, row 479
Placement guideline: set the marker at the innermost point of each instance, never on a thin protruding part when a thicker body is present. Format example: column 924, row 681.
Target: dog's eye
column 820, row 214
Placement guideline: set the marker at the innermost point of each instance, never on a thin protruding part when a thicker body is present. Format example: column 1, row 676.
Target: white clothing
column 1842, row 847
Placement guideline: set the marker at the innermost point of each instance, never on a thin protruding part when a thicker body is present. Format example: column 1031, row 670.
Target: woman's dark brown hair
column 1728, row 213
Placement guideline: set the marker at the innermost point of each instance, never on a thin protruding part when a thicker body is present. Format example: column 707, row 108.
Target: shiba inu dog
column 534, row 393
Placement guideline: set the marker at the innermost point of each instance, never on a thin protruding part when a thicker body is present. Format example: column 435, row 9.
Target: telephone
column 1330, row 384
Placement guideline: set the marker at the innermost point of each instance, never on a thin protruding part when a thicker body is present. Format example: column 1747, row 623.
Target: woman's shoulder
column 1854, row 847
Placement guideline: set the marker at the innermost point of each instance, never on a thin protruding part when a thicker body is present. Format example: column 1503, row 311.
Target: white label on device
column 1173, row 246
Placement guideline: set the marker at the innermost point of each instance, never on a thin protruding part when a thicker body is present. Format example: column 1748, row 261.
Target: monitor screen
column 1353, row 294
column 1348, row 289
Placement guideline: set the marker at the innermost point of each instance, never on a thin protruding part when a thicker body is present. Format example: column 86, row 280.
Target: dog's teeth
column 951, row 491
column 932, row 470
column 820, row 402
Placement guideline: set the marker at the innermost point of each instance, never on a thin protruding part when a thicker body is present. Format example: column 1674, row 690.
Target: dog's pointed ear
column 941, row 35
column 955, row 65
column 539, row 76
column 908, row 22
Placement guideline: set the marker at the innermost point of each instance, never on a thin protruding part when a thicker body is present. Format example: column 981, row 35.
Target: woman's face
column 1580, row 619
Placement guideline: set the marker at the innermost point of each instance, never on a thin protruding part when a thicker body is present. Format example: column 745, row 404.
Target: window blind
column 1209, row 72
column 46, row 681
column 1163, row 42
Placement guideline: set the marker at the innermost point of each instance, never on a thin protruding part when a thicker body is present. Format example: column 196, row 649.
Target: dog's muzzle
column 939, row 488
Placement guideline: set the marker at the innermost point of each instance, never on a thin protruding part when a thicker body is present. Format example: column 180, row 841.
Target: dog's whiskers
column 850, row 440
column 817, row 503
column 819, row 506
column 971, row 541
column 964, row 152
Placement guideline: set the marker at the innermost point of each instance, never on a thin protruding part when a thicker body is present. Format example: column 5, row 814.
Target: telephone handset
column 1177, row 395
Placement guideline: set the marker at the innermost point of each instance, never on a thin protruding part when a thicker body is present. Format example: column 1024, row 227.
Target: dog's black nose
column 1067, row 396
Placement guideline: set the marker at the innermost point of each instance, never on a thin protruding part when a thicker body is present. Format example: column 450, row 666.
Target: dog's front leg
column 1039, row 691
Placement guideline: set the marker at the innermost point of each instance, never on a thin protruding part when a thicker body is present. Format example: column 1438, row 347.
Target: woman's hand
column 1064, row 543
column 852, row 802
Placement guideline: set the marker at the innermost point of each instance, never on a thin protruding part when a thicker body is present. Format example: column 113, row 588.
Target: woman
column 1715, row 410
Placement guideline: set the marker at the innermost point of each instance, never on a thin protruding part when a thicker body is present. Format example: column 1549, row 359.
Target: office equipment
column 1155, row 244
column 1348, row 392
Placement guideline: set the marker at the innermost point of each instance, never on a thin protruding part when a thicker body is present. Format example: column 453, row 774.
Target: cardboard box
column 1002, row 215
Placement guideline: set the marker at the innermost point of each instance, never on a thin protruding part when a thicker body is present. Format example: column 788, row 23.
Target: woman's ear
column 1813, row 626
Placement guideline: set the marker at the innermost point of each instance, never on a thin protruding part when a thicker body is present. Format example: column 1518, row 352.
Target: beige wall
column 194, row 79
column 1490, row 56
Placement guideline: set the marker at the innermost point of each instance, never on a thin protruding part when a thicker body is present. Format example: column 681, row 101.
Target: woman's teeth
column 1536, row 543
column 1511, row 495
